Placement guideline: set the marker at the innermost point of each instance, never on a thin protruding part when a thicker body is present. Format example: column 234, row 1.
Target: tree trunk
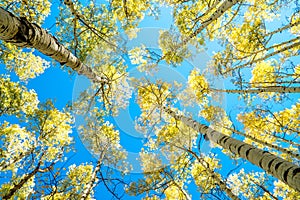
column 16, row 187
column 278, row 148
column 290, row 25
column 219, row 181
column 219, row 12
column 253, row 61
column 278, row 89
column 92, row 182
column 285, row 171
column 82, row 19
column 22, row 33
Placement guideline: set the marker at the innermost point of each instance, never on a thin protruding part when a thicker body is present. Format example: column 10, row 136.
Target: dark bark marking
column 224, row 139
column 285, row 174
column 296, row 171
column 277, row 165
column 239, row 148
column 270, row 163
column 260, row 162
column 247, row 152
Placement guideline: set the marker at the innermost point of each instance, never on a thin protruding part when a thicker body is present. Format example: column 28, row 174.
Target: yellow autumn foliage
column 199, row 85
column 15, row 98
column 203, row 179
column 174, row 193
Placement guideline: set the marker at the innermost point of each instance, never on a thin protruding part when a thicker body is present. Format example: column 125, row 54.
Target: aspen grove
column 200, row 139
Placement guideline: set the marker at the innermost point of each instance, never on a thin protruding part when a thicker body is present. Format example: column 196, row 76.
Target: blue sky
column 58, row 85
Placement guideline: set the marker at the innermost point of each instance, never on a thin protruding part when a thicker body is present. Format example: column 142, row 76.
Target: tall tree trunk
column 279, row 30
column 92, row 182
column 22, row 33
column 26, row 177
column 285, row 171
column 227, row 4
column 278, row 148
column 16, row 187
column 278, row 89
column 219, row 181
column 253, row 61
column 82, row 19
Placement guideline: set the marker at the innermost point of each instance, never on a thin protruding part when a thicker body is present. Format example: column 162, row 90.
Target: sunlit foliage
column 255, row 52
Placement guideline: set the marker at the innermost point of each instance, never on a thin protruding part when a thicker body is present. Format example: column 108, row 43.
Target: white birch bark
column 22, row 33
column 278, row 89
column 219, row 181
column 81, row 18
column 219, row 12
column 93, row 180
column 287, row 47
column 290, row 25
column 278, row 148
column 285, row 171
